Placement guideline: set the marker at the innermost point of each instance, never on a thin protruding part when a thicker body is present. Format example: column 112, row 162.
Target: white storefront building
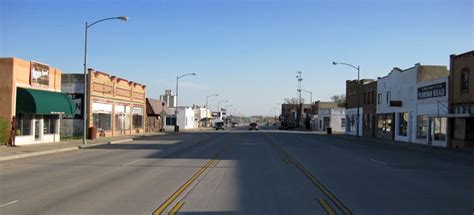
column 410, row 99
column 431, row 112
column 330, row 117
column 351, row 121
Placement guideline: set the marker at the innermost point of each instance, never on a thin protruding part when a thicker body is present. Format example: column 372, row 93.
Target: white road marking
column 130, row 163
column 377, row 161
column 9, row 203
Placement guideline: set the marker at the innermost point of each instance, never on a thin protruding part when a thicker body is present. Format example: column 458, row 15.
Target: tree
column 293, row 100
column 339, row 99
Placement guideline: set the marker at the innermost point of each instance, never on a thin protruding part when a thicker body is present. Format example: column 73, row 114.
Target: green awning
column 43, row 102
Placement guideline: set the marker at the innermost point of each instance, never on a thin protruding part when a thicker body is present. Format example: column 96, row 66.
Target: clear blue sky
column 247, row 51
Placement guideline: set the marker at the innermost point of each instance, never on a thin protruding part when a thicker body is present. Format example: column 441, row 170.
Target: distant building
column 462, row 100
column 328, row 115
column 169, row 99
column 157, row 111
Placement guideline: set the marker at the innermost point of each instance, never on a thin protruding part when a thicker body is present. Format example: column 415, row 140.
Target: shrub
column 4, row 131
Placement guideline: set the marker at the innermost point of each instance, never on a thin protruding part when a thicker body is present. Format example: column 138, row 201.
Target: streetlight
column 358, row 91
column 207, row 99
column 225, row 107
column 207, row 104
column 310, row 93
column 176, row 105
column 84, row 107
column 219, row 103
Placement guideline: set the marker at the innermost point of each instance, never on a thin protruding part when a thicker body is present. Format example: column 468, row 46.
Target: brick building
column 369, row 108
column 115, row 107
column 462, row 100
column 354, row 101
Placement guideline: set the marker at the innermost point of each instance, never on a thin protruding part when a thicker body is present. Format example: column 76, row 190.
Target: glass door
column 37, row 130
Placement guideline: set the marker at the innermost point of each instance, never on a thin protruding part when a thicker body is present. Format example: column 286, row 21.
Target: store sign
column 39, row 74
column 77, row 99
column 100, row 107
column 431, row 91
column 138, row 110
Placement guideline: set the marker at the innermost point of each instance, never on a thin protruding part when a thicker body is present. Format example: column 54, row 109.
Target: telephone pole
column 300, row 79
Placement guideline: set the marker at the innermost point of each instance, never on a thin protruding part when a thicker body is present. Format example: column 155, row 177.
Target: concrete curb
column 93, row 145
column 33, row 154
column 121, row 141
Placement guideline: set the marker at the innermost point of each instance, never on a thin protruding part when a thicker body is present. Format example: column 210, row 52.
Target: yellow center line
column 326, row 207
column 312, row 178
column 176, row 208
column 213, row 161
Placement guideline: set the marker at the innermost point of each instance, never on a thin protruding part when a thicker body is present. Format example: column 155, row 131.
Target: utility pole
column 300, row 79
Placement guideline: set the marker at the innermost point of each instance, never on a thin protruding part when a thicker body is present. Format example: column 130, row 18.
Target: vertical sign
column 39, row 74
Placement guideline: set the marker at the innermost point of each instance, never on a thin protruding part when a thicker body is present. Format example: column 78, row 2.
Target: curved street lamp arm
column 347, row 64
column 186, row 75
column 119, row 17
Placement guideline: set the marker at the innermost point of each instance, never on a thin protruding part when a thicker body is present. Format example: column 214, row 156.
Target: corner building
column 31, row 100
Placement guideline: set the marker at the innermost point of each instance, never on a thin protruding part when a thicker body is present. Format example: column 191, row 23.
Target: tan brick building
column 462, row 100
column 115, row 107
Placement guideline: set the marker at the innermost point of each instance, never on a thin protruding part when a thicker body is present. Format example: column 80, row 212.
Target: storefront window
column 421, row 128
column 102, row 121
column 23, row 124
column 403, row 124
column 137, row 118
column 170, row 120
column 50, row 124
column 388, row 123
column 380, row 123
column 439, row 128
column 122, row 118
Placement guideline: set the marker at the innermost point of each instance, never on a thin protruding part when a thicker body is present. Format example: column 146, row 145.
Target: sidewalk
column 394, row 144
column 10, row 153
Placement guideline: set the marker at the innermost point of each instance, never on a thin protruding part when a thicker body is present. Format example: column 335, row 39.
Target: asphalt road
column 236, row 171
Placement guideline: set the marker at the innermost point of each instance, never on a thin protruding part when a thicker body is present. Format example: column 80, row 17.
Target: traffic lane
column 26, row 173
column 375, row 186
column 135, row 188
column 252, row 177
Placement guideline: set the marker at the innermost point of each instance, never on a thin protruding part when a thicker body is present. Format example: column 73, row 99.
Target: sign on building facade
column 431, row 91
column 39, row 74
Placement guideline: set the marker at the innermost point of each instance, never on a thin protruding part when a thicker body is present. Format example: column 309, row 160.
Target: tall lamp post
column 84, row 106
column 225, row 108
column 207, row 99
column 358, row 92
column 219, row 105
column 207, row 105
column 310, row 94
column 176, row 105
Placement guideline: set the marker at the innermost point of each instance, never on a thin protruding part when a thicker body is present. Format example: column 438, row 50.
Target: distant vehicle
column 253, row 126
column 234, row 125
column 219, row 125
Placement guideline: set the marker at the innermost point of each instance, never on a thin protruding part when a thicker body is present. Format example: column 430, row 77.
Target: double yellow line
column 211, row 163
column 313, row 179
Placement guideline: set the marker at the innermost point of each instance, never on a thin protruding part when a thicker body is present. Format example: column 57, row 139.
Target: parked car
column 219, row 125
column 253, row 126
column 234, row 125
